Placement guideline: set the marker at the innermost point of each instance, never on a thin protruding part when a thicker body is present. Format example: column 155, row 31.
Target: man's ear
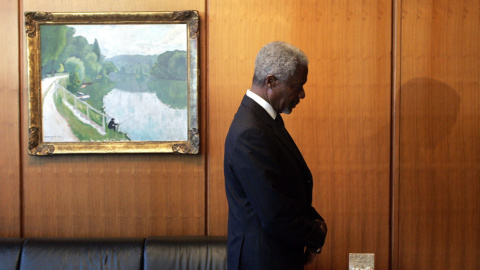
column 270, row 80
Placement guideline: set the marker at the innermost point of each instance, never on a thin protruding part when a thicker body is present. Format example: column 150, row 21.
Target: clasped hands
column 309, row 254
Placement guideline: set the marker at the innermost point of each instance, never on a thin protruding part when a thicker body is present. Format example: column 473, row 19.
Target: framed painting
column 113, row 82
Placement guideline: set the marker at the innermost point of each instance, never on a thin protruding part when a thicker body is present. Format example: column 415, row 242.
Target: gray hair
column 279, row 59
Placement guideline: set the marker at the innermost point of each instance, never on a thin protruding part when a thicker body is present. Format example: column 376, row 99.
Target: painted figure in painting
column 113, row 125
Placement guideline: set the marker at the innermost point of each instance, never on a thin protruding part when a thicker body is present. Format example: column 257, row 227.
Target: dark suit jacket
column 269, row 192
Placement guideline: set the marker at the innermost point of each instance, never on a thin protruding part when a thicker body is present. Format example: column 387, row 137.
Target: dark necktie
column 279, row 120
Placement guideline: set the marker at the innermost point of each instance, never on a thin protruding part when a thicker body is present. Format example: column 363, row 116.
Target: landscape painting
column 108, row 83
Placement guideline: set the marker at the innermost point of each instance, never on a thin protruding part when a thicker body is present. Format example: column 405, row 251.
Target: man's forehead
column 300, row 75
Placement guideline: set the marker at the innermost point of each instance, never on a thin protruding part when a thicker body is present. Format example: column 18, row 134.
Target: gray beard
column 287, row 111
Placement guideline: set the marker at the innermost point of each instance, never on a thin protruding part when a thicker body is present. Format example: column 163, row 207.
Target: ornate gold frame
column 37, row 147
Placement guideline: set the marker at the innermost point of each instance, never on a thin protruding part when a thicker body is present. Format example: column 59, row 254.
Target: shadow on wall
column 428, row 111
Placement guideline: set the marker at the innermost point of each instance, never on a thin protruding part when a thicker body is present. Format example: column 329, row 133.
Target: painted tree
column 92, row 67
column 177, row 66
column 171, row 65
column 76, row 71
column 96, row 50
column 107, row 68
column 69, row 49
column 52, row 42
column 81, row 47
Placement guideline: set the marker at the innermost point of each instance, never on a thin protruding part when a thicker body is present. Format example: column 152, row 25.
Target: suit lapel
column 278, row 130
column 287, row 140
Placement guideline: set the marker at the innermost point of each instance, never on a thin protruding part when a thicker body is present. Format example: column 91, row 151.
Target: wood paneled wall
column 9, row 124
column 342, row 126
column 439, row 141
column 114, row 195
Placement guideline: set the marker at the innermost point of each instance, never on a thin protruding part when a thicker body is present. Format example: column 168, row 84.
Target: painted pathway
column 55, row 127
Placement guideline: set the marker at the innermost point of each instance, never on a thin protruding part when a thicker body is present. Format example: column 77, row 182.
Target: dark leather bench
column 168, row 252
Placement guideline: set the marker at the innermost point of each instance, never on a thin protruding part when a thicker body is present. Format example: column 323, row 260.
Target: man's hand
column 308, row 257
column 322, row 225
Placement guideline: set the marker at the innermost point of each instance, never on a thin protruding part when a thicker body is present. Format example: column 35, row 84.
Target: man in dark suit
column 271, row 221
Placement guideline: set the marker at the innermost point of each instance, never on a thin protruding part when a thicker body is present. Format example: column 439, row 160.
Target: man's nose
column 302, row 94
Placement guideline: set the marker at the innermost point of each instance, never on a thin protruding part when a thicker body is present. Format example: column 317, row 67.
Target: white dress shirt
column 263, row 103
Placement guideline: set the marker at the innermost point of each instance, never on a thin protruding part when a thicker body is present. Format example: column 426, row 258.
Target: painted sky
column 130, row 39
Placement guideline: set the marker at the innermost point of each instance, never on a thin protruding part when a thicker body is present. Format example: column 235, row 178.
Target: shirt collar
column 263, row 103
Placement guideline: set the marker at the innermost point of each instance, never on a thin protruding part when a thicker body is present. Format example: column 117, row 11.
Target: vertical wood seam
column 206, row 162
column 394, row 144
column 20, row 117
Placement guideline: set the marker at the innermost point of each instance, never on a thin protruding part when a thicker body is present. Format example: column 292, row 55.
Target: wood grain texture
column 116, row 195
column 343, row 125
column 439, row 135
column 9, row 125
